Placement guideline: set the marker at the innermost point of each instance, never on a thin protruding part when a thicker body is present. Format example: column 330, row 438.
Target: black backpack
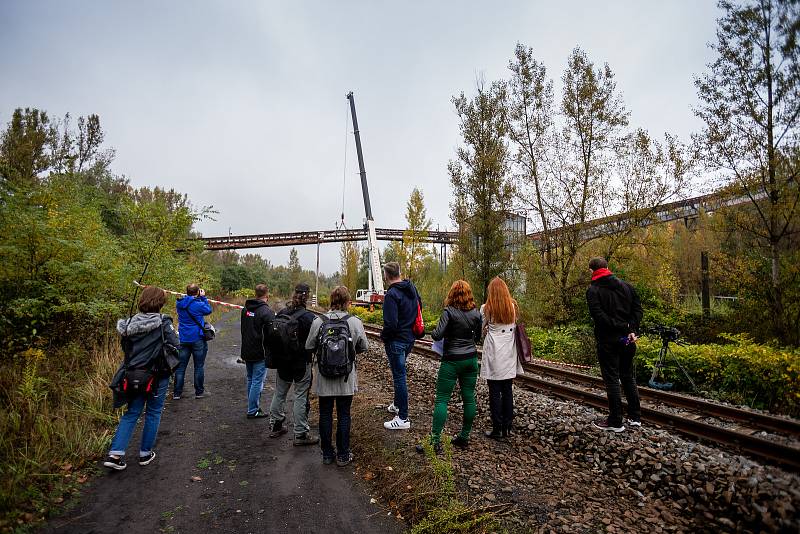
column 284, row 338
column 335, row 350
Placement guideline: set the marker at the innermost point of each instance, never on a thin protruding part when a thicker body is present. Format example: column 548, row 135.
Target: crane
column 373, row 295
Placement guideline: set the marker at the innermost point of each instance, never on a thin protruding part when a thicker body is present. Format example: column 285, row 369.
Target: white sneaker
column 397, row 424
column 631, row 422
column 393, row 409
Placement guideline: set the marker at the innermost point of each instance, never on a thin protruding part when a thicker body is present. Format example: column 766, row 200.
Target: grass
column 55, row 418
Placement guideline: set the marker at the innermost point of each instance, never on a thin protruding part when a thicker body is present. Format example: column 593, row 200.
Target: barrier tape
column 184, row 294
column 553, row 362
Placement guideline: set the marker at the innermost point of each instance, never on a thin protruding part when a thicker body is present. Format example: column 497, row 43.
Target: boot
column 277, row 429
column 495, row 433
column 507, row 430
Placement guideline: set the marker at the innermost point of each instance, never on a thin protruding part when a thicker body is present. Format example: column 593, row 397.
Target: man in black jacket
column 256, row 319
column 293, row 368
column 616, row 312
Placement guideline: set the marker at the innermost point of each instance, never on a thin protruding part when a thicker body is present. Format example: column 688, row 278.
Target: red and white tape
column 184, row 294
column 553, row 362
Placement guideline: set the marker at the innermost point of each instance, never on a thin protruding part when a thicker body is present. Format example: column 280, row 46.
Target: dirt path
column 248, row 482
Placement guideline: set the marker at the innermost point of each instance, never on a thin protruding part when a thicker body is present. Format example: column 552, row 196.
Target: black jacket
column 298, row 365
column 141, row 344
column 460, row 330
column 399, row 312
column 256, row 318
column 614, row 307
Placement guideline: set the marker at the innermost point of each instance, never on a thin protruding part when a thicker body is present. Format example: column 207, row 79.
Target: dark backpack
column 284, row 338
column 335, row 350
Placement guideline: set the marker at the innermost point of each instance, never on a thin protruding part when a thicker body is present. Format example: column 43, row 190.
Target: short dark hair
column 391, row 270
column 598, row 263
column 261, row 291
column 152, row 299
column 299, row 299
column 192, row 289
column 340, row 298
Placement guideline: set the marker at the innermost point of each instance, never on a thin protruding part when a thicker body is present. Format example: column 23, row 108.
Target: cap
column 302, row 288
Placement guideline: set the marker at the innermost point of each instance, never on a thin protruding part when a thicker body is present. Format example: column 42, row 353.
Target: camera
column 667, row 333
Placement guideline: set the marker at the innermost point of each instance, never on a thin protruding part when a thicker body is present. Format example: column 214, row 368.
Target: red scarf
column 600, row 273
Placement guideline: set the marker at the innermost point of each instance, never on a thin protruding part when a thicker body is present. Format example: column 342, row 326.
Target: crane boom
column 376, row 278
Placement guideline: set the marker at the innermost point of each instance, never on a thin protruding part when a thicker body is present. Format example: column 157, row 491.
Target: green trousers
column 466, row 373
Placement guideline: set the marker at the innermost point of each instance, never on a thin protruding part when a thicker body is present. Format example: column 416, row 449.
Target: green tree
column 750, row 103
column 482, row 187
column 414, row 249
column 295, row 270
column 349, row 256
column 24, row 147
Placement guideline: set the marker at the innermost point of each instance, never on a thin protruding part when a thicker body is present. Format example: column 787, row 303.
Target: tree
column 349, row 257
column 24, row 147
column 750, row 103
column 482, row 187
column 414, row 249
column 295, row 270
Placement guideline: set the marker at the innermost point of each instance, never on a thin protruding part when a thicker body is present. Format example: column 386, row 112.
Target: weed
column 204, row 463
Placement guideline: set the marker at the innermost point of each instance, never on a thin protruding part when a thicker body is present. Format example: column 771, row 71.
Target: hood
column 606, row 281
column 407, row 287
column 254, row 304
column 183, row 302
column 140, row 323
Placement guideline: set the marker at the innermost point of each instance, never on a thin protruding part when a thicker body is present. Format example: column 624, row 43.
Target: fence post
column 704, row 287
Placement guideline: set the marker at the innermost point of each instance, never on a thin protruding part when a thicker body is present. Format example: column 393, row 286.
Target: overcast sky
column 242, row 106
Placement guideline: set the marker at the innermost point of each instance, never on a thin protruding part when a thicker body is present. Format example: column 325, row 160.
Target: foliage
column 739, row 371
column 430, row 318
column 349, row 266
column 570, row 344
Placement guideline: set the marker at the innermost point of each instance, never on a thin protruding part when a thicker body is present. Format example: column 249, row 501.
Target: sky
column 241, row 105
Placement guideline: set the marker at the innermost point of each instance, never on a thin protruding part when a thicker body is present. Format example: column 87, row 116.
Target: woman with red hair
column 460, row 328
column 500, row 364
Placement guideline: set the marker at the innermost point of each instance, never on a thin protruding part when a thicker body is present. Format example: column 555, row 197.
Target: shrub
column 739, row 371
column 571, row 344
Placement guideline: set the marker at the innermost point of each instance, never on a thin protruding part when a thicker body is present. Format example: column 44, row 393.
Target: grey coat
column 329, row 387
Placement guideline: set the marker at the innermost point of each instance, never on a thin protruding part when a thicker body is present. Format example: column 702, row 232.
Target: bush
column 376, row 317
column 739, row 371
column 571, row 344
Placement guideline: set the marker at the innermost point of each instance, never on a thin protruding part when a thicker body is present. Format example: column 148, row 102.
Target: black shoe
column 144, row 460
column 277, row 430
column 115, row 463
column 258, row 415
column 305, row 439
column 327, row 460
column 494, row 433
column 459, row 442
column 200, row 395
column 437, row 448
column 507, row 431
column 342, row 461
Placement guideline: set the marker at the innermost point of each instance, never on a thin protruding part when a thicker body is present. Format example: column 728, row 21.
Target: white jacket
column 500, row 360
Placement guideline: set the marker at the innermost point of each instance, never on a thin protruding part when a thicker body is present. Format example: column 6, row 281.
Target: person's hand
column 202, row 292
column 632, row 338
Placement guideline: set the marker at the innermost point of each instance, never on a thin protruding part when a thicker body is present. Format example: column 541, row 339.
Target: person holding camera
column 191, row 310
column 617, row 313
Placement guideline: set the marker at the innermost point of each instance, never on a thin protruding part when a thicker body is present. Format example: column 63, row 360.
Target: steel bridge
column 687, row 210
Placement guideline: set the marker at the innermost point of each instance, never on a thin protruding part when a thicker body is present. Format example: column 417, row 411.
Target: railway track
column 682, row 414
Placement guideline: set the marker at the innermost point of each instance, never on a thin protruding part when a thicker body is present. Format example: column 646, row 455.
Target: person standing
column 143, row 337
column 256, row 319
column 460, row 328
column 399, row 314
column 338, row 390
column 289, row 332
column 191, row 310
column 616, row 312
column 500, row 364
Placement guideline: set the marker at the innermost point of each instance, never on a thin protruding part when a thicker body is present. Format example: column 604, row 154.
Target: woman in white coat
column 499, row 365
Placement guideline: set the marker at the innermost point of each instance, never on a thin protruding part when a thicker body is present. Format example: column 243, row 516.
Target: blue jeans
column 397, row 352
column 256, row 373
column 152, row 418
column 343, row 403
column 198, row 350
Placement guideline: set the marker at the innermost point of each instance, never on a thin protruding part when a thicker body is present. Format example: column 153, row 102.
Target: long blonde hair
column 500, row 307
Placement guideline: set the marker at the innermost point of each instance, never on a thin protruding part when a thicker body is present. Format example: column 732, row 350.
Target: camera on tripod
column 667, row 333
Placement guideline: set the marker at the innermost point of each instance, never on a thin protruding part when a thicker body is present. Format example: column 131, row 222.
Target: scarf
column 600, row 273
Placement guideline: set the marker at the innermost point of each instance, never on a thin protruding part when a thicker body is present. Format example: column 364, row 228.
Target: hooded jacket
column 615, row 308
column 188, row 307
column 256, row 318
column 400, row 312
column 141, row 344
column 460, row 330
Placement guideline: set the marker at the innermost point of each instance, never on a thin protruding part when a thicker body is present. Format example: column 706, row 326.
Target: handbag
column 209, row 332
column 523, row 343
column 170, row 359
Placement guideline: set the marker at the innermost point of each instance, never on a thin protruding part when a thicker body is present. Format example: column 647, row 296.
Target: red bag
column 418, row 328
column 523, row 343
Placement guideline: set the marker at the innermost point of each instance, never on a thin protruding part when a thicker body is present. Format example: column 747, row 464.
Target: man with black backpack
column 288, row 354
column 255, row 324
column 616, row 312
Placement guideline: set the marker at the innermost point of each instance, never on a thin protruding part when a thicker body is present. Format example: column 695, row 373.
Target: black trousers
column 616, row 366
column 501, row 402
column 343, row 403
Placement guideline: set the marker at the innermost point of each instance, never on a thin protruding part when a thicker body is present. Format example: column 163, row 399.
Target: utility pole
column 704, row 285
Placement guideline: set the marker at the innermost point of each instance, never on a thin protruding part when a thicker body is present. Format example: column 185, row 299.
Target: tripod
column 661, row 363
